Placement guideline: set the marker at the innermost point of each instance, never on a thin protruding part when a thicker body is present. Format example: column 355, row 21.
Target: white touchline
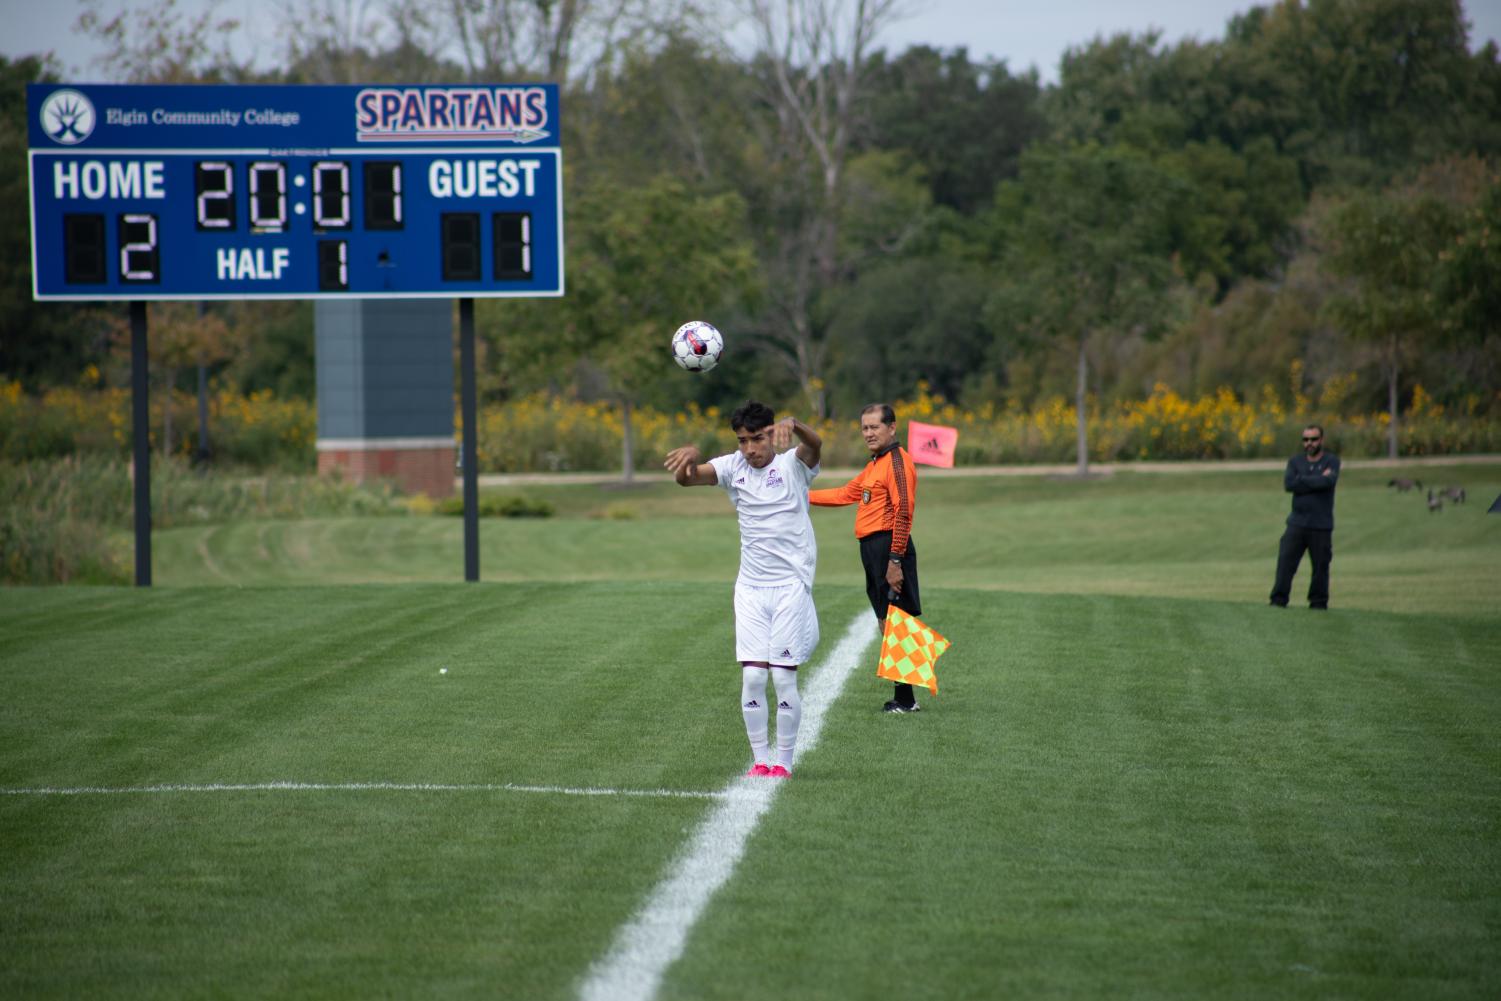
column 358, row 787
column 653, row 939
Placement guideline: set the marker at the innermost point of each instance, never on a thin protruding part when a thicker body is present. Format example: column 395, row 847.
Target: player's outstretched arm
column 687, row 466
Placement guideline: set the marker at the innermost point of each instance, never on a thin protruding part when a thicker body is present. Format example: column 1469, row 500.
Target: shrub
column 546, row 433
column 498, row 506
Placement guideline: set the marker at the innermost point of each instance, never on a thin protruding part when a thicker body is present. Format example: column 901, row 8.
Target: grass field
column 1137, row 780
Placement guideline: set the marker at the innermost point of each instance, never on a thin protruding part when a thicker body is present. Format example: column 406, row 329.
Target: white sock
column 789, row 713
column 753, row 707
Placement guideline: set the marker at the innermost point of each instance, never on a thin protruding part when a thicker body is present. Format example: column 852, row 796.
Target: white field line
column 359, row 787
column 653, row 939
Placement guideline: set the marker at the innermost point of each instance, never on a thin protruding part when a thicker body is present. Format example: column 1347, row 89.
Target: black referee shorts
column 875, row 552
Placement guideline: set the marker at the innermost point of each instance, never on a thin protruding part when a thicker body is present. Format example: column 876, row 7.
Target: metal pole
column 140, row 399
column 469, row 455
column 204, row 449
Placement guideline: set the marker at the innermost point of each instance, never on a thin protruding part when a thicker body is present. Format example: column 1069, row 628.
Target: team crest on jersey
column 865, row 497
column 773, row 478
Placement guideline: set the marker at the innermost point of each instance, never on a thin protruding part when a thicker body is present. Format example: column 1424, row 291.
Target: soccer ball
column 697, row 346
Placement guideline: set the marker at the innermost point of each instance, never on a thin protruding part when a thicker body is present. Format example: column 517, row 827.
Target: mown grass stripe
column 653, row 939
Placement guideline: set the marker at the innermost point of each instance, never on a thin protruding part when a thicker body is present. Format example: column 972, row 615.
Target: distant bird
column 1455, row 494
column 1404, row 485
column 1434, row 503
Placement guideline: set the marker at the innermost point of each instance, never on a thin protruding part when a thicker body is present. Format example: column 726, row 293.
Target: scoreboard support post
column 140, row 405
column 469, row 456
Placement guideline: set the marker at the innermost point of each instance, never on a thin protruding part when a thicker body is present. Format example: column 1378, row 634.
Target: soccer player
column 776, row 625
column 886, row 491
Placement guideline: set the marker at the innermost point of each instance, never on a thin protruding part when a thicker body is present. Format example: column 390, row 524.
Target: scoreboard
column 294, row 192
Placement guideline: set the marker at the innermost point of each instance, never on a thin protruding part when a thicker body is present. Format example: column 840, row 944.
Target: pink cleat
column 778, row 772
column 760, row 771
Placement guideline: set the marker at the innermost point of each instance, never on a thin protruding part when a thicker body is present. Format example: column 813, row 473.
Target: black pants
column 875, row 554
column 1320, row 547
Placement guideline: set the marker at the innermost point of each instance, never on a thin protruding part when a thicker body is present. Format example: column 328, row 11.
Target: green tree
column 1386, row 246
column 1359, row 91
column 183, row 335
column 908, row 319
column 964, row 123
column 1469, row 269
column 40, row 343
column 1089, row 235
column 683, row 109
column 641, row 261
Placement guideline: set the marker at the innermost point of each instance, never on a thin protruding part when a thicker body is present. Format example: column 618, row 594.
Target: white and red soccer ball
column 697, row 346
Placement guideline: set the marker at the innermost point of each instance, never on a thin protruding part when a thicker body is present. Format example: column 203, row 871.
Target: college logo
column 67, row 117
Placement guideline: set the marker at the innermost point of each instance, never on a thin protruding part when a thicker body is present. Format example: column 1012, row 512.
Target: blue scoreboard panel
column 293, row 192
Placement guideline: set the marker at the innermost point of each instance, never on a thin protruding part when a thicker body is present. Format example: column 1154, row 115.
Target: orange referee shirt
column 886, row 491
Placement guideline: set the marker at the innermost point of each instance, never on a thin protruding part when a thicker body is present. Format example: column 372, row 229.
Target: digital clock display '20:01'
column 266, row 182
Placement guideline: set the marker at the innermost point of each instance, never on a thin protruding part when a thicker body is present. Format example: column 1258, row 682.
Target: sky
column 1023, row 33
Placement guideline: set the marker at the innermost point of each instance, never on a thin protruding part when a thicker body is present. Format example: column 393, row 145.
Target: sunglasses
column 1314, row 438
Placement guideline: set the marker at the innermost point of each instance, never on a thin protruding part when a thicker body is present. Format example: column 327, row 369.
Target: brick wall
column 425, row 469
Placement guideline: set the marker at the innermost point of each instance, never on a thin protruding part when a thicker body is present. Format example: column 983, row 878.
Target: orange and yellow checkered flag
column 909, row 649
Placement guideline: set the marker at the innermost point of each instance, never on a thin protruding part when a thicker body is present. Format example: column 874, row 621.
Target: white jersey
column 776, row 535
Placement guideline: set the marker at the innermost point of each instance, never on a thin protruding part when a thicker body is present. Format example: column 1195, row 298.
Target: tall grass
column 60, row 518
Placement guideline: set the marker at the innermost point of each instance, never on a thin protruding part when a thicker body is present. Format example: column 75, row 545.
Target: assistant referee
column 886, row 490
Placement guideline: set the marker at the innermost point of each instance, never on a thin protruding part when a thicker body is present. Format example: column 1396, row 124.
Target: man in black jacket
column 1310, row 478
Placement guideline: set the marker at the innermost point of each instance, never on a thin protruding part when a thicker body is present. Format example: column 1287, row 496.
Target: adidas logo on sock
column 783, row 705
column 753, row 704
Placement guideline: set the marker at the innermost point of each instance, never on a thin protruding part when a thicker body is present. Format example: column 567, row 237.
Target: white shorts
column 778, row 625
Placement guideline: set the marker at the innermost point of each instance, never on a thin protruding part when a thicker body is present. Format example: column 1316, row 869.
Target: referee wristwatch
column 896, row 559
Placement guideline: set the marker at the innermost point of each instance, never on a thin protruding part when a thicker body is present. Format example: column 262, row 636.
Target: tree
column 964, row 123
column 183, row 335
column 812, row 62
column 40, row 343
column 641, row 261
column 1469, row 269
column 1387, row 245
column 1089, row 246
column 361, row 41
column 161, row 43
column 678, row 109
column 907, row 319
